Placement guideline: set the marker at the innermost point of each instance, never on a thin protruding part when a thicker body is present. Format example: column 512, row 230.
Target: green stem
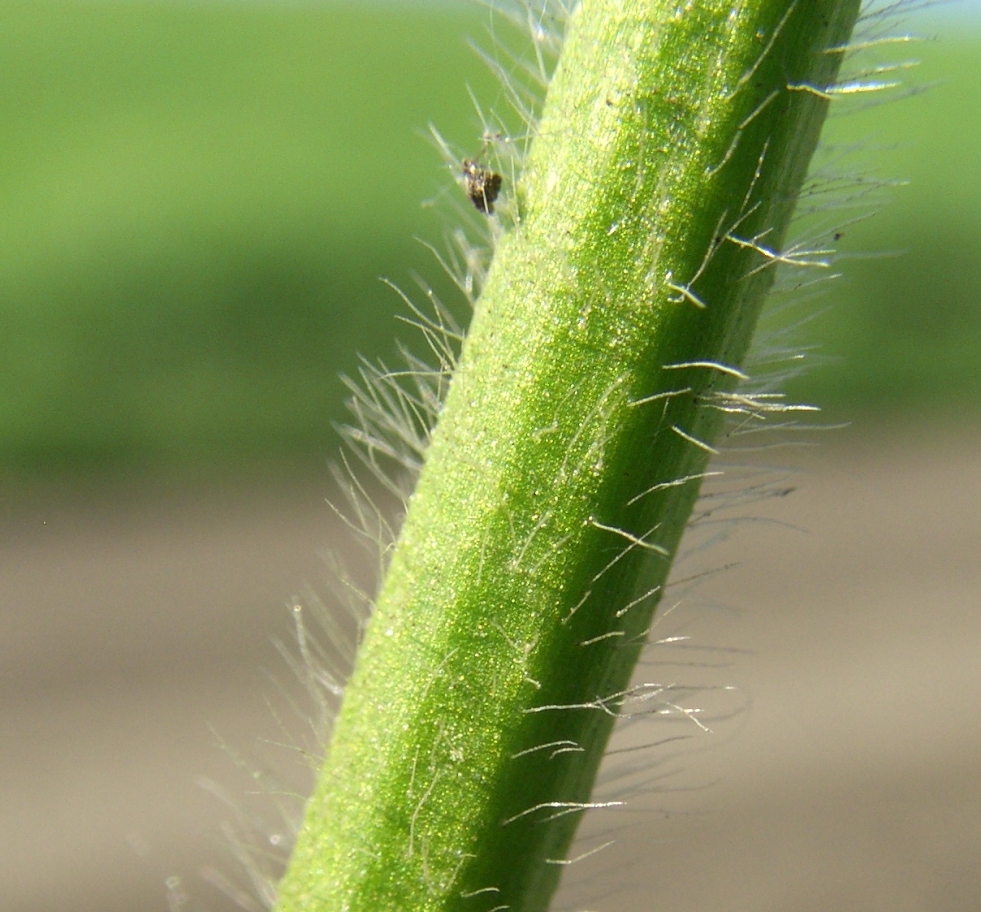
column 601, row 358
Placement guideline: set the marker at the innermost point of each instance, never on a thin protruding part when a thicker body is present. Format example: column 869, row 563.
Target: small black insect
column 482, row 185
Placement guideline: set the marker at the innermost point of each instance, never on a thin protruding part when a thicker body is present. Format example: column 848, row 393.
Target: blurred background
column 197, row 200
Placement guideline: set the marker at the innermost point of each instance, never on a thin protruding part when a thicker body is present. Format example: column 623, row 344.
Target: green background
column 197, row 201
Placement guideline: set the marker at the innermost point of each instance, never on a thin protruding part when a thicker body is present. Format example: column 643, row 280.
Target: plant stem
column 599, row 365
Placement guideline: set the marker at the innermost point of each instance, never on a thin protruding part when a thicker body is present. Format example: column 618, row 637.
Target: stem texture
column 651, row 215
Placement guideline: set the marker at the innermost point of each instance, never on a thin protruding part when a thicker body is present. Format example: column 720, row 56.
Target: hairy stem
column 650, row 216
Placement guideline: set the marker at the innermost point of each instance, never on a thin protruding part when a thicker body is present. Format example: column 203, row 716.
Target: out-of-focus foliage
column 196, row 203
column 196, row 200
column 904, row 322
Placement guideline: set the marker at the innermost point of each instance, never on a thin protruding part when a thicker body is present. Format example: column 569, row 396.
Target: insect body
column 482, row 185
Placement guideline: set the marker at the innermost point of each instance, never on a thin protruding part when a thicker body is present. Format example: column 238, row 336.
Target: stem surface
column 653, row 208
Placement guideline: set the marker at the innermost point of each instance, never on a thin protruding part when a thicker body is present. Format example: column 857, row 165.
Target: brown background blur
column 137, row 620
